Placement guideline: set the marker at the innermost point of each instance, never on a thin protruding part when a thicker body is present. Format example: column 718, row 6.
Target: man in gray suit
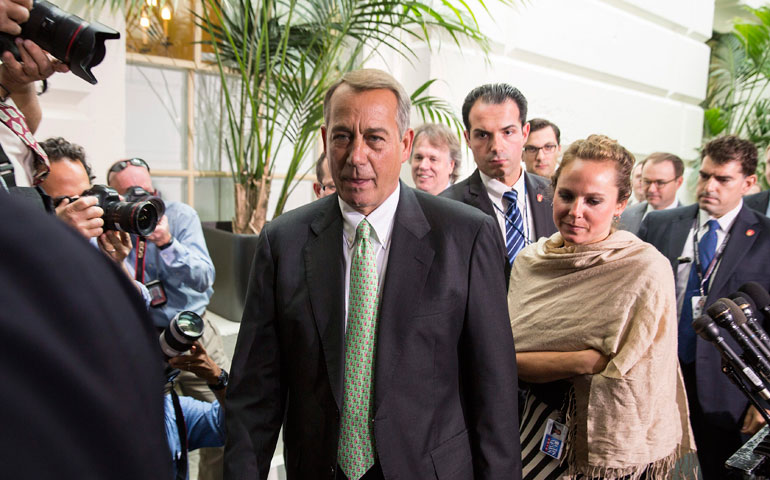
column 662, row 175
column 375, row 330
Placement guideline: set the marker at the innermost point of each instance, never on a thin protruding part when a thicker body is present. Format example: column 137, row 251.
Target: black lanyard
column 141, row 249
column 703, row 278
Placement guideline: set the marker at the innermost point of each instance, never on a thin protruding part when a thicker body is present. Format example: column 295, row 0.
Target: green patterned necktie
column 355, row 453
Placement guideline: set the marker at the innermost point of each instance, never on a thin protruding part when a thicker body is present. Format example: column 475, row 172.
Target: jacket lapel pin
column 539, row 197
column 750, row 233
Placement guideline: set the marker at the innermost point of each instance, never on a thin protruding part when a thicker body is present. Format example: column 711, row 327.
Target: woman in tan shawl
column 593, row 312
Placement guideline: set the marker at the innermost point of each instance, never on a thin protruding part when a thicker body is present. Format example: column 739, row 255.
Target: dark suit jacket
column 445, row 372
column 745, row 259
column 83, row 393
column 471, row 191
column 758, row 201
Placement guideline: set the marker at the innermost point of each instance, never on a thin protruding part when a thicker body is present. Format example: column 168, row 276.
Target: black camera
column 183, row 330
column 139, row 218
column 139, row 194
column 69, row 38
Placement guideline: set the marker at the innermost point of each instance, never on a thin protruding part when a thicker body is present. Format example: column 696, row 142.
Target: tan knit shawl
column 616, row 296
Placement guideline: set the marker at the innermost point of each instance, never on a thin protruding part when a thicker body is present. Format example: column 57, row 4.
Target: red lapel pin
column 539, row 197
column 750, row 233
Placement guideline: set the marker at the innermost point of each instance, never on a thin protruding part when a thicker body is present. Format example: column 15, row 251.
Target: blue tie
column 707, row 247
column 514, row 227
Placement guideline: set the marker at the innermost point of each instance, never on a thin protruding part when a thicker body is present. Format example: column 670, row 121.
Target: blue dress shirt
column 205, row 425
column 184, row 267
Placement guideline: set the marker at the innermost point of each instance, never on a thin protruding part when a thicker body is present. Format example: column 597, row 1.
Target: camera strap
column 141, row 249
column 11, row 118
column 181, row 462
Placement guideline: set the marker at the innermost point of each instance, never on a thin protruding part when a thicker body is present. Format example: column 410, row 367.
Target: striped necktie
column 355, row 453
column 514, row 226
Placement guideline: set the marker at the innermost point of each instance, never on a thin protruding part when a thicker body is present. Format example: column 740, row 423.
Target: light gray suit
column 631, row 218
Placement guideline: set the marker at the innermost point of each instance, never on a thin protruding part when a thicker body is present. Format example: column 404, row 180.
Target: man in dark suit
column 662, row 175
column 733, row 240
column 70, row 325
column 496, row 131
column 372, row 331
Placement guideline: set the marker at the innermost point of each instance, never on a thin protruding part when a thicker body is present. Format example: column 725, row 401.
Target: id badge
column 157, row 293
column 697, row 306
column 553, row 439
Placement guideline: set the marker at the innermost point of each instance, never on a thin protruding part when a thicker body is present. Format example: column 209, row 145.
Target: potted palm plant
column 276, row 59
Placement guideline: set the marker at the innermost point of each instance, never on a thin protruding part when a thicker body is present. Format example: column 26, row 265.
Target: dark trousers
column 715, row 445
column 374, row 473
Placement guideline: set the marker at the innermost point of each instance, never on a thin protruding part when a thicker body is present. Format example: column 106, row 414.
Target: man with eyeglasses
column 174, row 260
column 662, row 175
column 324, row 185
column 714, row 247
column 543, row 147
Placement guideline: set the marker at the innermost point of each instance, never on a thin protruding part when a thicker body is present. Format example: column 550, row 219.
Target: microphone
column 724, row 312
column 760, row 296
column 751, row 327
column 706, row 328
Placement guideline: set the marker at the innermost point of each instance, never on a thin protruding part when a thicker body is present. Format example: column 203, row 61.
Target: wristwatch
column 222, row 380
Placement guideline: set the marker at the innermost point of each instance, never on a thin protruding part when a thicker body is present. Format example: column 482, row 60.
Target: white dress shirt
column 495, row 189
column 683, row 272
column 381, row 220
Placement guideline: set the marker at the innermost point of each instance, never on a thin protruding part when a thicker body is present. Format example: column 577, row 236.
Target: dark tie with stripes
column 514, row 226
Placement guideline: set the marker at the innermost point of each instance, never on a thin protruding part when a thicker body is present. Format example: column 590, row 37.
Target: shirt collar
column 380, row 219
column 496, row 188
column 725, row 221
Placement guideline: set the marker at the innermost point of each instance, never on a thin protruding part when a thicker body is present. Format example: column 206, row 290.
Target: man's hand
column 199, row 363
column 161, row 235
column 117, row 245
column 83, row 214
column 35, row 65
column 12, row 13
column 753, row 421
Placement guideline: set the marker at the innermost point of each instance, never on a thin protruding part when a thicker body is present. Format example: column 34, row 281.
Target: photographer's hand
column 199, row 363
column 12, row 13
column 161, row 235
column 83, row 214
column 19, row 78
column 117, row 245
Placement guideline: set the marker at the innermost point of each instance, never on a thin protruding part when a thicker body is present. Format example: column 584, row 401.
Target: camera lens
column 139, row 218
column 183, row 330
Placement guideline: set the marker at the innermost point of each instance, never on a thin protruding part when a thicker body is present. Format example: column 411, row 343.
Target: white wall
column 635, row 70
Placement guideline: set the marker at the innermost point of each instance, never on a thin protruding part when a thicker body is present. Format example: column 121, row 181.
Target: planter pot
column 232, row 255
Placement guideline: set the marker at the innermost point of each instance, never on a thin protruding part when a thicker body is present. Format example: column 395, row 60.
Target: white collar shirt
column 495, row 189
column 701, row 228
column 381, row 221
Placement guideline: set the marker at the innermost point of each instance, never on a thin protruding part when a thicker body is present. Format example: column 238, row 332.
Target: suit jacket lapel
column 542, row 215
column 737, row 246
column 409, row 262
column 477, row 194
column 326, row 288
column 677, row 234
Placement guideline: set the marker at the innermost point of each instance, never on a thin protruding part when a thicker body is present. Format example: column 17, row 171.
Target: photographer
column 69, row 176
column 174, row 263
column 17, row 82
column 202, row 422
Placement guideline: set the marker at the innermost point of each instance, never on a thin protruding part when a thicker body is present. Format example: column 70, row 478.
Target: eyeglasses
column 121, row 165
column 330, row 188
column 547, row 148
column 658, row 183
